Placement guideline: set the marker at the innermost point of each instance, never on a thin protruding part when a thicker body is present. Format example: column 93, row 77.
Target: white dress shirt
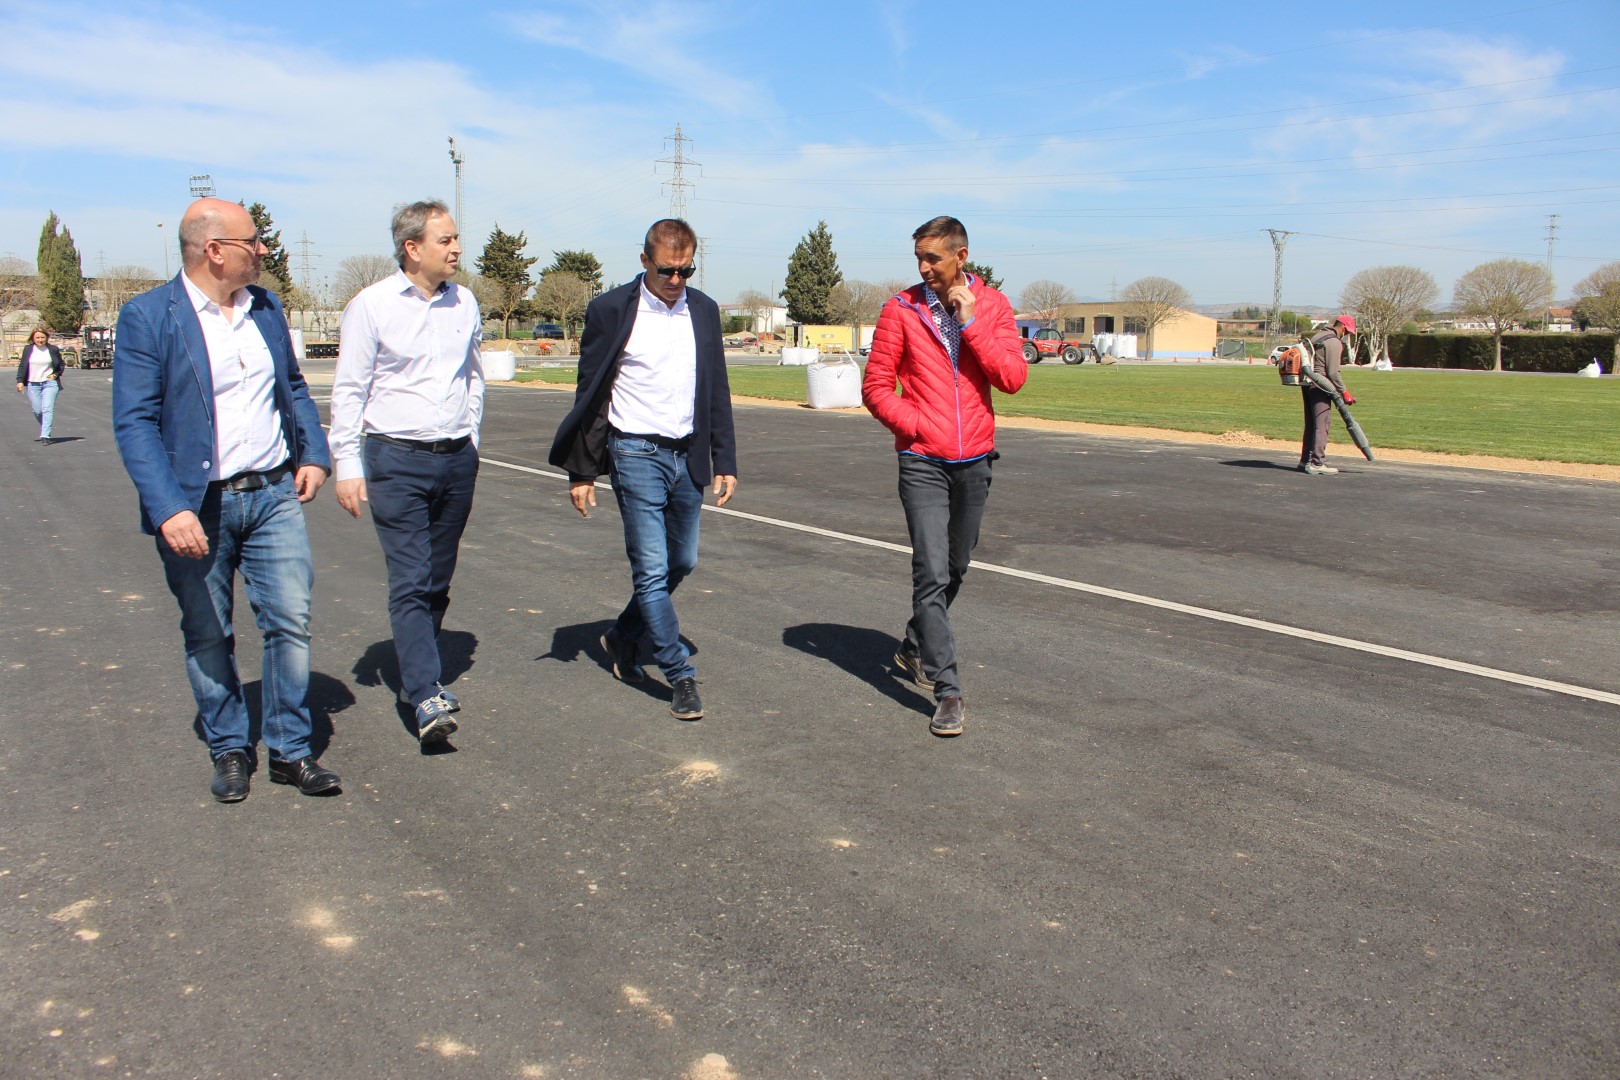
column 409, row 365
column 656, row 387
column 247, row 424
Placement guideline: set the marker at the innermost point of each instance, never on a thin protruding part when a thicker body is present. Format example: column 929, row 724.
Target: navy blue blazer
column 163, row 399
column 56, row 362
column 581, row 442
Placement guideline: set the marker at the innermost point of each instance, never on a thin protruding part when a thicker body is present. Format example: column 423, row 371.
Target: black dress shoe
column 230, row 777
column 625, row 658
column 305, row 774
column 686, row 705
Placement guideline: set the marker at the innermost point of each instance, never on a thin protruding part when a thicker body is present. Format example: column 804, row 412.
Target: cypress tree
column 61, row 279
column 812, row 272
column 275, row 263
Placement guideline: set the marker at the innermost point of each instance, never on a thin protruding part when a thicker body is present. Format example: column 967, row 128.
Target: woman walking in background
column 40, row 374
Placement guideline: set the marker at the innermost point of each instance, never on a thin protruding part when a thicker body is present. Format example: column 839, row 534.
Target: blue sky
column 1090, row 144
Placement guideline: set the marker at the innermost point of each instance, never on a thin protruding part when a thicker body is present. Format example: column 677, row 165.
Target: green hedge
column 1520, row 352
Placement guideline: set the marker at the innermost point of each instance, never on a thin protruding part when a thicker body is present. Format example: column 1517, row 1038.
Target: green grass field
column 1540, row 417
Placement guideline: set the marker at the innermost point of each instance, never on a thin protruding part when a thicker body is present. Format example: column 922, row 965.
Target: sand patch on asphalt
column 711, row 1067
column 1249, row 440
column 693, row 773
column 638, row 999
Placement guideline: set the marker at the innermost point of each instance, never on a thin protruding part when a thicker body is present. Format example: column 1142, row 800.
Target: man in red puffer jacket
column 946, row 341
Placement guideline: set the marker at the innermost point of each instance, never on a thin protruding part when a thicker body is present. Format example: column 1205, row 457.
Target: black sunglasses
column 684, row 272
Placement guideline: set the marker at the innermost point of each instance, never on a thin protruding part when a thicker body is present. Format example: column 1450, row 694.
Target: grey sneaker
column 433, row 722
column 910, row 665
column 947, row 720
column 450, row 700
column 1317, row 470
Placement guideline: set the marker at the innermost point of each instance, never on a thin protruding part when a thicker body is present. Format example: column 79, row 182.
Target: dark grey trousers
column 1318, row 415
column 944, row 504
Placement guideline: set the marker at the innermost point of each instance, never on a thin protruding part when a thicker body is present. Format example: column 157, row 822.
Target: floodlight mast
column 202, row 186
column 456, row 159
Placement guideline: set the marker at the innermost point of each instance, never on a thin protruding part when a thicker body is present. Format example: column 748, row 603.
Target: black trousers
column 944, row 504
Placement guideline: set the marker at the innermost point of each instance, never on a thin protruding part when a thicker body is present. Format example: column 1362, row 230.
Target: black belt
column 662, row 441
column 253, row 481
column 440, row 446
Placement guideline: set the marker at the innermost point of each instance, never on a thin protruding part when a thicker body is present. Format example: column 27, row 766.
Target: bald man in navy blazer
column 219, row 434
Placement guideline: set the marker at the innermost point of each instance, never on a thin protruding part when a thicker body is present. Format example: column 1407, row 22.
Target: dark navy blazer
column 581, row 442
column 163, row 398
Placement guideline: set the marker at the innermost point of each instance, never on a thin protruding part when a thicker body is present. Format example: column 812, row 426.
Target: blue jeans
column 944, row 504
column 420, row 502
column 660, row 505
column 262, row 534
column 42, row 399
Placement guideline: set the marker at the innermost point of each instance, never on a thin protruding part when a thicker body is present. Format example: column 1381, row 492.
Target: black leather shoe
column 305, row 774
column 230, row 777
column 686, row 704
column 625, row 657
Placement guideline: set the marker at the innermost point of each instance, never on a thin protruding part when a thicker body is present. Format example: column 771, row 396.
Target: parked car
column 547, row 330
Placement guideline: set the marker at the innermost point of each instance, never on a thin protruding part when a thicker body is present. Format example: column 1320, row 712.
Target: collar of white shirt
column 200, row 301
column 656, row 303
column 407, row 287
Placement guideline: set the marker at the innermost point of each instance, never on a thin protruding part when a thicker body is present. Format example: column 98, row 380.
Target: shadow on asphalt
column 326, row 697
column 1251, row 464
column 569, row 643
column 862, row 652
column 379, row 666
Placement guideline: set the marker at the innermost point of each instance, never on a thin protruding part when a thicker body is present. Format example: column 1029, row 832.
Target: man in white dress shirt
column 652, row 409
column 407, row 400
column 219, row 434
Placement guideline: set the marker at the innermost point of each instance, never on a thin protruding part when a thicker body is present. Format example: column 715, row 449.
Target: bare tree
column 118, row 284
column 1597, row 301
column 16, row 290
column 1154, row 301
column 358, row 271
column 855, row 303
column 485, row 291
column 1041, row 300
column 757, row 306
column 562, row 296
column 1384, row 298
column 1503, row 293
column 892, row 287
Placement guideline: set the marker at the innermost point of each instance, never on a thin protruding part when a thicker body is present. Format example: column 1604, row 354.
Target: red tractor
column 1040, row 344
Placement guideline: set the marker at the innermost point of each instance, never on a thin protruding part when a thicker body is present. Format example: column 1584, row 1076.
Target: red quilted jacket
column 942, row 411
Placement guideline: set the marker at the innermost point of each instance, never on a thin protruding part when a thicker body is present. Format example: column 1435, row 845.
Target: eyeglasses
column 252, row 242
column 684, row 272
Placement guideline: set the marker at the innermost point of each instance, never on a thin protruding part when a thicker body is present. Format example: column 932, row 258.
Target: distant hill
column 1224, row 311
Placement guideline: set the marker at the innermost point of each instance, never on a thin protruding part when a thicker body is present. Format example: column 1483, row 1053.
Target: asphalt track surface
column 1167, row 845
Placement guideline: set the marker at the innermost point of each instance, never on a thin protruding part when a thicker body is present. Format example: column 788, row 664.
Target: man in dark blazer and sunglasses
column 652, row 409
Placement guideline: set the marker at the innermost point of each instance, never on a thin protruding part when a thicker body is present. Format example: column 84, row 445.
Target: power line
column 1045, row 137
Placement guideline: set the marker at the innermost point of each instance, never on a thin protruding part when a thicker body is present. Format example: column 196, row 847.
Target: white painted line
column 1570, row 689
